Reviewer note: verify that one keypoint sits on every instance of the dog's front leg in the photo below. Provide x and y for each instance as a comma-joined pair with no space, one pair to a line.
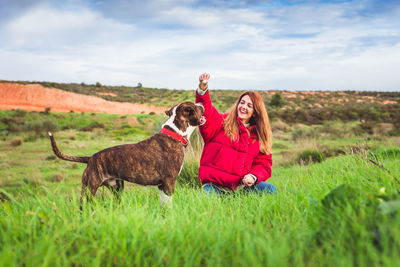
167,189
165,200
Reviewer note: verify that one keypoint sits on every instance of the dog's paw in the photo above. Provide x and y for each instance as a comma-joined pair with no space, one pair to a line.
165,200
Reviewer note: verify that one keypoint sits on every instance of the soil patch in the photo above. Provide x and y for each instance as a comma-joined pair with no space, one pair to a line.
34,97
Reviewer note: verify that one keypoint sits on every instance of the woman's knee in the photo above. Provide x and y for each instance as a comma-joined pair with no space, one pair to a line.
266,188
210,189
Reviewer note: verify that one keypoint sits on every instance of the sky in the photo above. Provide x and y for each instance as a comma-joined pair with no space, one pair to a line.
243,44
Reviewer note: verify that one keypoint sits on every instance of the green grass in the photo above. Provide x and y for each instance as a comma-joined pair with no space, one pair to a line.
43,226
344,211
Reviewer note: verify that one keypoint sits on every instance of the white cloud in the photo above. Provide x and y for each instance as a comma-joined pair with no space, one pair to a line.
295,47
48,28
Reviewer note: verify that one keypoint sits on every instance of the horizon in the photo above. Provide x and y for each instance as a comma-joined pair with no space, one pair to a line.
183,89
327,45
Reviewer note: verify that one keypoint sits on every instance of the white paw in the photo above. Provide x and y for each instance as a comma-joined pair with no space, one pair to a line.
165,200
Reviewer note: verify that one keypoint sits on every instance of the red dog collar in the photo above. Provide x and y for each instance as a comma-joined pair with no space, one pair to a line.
176,136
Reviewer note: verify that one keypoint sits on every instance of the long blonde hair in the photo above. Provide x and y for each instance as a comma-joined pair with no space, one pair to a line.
259,119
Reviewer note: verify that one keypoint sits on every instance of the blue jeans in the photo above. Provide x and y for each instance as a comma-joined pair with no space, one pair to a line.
260,188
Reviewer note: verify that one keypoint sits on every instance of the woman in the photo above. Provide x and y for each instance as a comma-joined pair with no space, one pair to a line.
237,145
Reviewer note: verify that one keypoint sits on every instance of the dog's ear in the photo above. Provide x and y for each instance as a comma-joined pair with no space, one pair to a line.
169,111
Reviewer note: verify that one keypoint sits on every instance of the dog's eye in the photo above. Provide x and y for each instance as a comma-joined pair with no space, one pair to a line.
188,110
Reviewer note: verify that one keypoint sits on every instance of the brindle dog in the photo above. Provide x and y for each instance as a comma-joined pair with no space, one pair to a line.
154,161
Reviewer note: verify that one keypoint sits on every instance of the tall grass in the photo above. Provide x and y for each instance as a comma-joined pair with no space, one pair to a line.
358,227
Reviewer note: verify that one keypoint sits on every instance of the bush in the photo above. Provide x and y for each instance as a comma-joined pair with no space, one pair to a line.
51,157
310,156
364,128
49,126
277,100
40,127
57,178
333,152
14,127
298,134
303,133
383,129
279,125
93,125
17,141
20,113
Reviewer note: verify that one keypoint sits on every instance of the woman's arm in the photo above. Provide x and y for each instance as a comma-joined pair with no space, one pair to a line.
214,120
261,167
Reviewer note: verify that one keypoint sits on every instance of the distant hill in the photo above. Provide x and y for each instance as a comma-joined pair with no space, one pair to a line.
292,106
35,97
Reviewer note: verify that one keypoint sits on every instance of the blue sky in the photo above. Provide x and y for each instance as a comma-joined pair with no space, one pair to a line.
261,45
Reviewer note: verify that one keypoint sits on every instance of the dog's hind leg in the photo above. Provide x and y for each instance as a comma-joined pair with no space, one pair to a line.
90,180
85,180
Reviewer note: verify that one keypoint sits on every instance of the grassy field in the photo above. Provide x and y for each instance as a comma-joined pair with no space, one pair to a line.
342,208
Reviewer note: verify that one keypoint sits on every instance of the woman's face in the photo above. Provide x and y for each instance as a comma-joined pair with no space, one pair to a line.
245,109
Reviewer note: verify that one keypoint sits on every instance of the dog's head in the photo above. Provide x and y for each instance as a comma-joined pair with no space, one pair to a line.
185,115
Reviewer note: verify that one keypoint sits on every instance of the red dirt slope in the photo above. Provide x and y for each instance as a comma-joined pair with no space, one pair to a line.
34,97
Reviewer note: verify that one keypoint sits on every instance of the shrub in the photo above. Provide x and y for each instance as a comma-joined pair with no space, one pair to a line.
333,152
40,127
57,178
364,128
277,100
310,156
382,129
20,113
14,127
279,125
48,125
302,133
17,141
30,138
93,125
51,157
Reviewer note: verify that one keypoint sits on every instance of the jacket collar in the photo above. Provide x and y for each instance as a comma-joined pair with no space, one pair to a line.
176,136
250,127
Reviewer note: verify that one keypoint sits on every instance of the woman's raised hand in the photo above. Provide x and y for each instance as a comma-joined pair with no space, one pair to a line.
204,81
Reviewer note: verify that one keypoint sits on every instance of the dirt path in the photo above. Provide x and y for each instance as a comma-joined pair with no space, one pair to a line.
34,97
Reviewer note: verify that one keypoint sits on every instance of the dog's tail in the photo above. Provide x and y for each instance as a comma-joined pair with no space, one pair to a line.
63,156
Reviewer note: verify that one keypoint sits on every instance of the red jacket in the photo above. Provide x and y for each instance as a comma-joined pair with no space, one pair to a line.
224,162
